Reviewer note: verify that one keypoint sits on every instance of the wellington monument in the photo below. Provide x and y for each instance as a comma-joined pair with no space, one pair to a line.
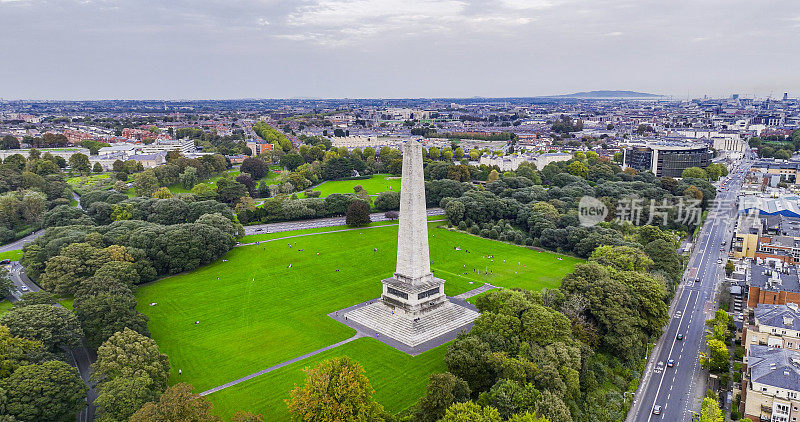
413,309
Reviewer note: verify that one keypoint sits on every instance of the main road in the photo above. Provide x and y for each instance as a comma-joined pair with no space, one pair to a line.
673,379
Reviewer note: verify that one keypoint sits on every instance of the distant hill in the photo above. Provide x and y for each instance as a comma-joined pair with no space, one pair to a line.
609,94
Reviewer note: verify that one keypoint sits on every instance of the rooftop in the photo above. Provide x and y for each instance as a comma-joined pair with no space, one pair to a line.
774,367
774,278
784,316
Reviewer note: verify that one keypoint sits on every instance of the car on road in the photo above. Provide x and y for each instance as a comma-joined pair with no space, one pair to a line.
5,261
670,363
719,261
679,336
657,409
697,280
24,288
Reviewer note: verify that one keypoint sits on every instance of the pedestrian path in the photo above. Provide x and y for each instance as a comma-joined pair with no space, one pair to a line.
474,292
280,365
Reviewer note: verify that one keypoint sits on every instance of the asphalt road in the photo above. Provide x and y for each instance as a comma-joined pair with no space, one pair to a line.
19,244
80,355
679,389
316,223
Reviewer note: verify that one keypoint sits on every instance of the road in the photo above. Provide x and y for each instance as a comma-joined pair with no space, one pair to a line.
679,389
316,223
80,355
19,244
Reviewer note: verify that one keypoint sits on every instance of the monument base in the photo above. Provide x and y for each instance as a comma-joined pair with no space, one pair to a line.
405,332
415,299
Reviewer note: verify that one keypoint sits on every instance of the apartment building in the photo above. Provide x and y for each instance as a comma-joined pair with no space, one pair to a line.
772,387
184,146
773,326
772,281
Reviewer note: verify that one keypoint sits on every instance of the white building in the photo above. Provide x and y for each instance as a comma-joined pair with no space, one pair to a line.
184,146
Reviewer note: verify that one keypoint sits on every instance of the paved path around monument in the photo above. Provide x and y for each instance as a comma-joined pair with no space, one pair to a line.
330,231
362,332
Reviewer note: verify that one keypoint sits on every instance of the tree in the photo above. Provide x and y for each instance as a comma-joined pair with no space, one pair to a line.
9,142
229,190
51,391
337,390
129,354
694,172
17,351
54,326
145,183
471,412
357,214
104,314
119,398
97,168
443,390
710,411
387,201
292,161
79,162
256,167
577,168
162,193
189,177
178,403
623,258
6,285
468,359
493,175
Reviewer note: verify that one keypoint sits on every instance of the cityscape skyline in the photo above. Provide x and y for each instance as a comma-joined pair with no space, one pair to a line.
85,50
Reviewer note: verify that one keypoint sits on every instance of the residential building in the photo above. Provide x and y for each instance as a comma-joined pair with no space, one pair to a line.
772,387
773,326
772,281
184,146
258,146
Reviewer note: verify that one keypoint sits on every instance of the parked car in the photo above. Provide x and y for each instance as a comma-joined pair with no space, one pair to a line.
5,262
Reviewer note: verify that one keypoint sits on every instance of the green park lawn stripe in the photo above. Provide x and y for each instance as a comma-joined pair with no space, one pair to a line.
255,311
5,306
14,255
376,184
88,180
267,236
398,379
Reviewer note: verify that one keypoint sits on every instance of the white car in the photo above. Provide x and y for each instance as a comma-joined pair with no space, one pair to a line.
24,288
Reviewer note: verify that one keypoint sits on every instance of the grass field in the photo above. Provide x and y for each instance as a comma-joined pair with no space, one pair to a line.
398,379
88,180
267,236
374,185
256,311
14,255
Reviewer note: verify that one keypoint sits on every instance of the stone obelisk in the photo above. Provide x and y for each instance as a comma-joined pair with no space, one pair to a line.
413,289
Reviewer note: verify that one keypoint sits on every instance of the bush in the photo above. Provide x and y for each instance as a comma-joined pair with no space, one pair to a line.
357,214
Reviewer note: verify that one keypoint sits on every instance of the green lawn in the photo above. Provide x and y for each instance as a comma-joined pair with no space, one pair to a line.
398,379
212,181
374,185
5,306
88,180
255,311
267,236
14,255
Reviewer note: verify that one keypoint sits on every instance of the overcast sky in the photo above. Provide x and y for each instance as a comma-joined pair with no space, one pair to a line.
198,49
